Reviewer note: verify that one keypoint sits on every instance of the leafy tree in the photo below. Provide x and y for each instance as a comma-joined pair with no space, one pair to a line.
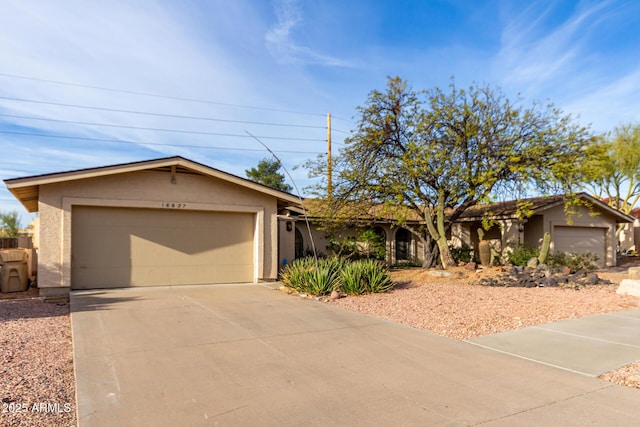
613,168
10,224
267,173
431,155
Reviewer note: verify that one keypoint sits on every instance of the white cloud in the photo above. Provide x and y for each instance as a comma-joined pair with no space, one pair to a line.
282,46
609,105
533,55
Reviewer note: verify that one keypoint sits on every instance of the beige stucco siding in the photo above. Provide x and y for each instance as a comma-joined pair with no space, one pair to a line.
153,190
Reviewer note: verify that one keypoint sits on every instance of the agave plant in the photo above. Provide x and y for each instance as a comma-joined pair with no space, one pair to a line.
365,276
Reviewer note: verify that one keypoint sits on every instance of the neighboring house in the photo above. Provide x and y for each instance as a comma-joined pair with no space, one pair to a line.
591,228
168,221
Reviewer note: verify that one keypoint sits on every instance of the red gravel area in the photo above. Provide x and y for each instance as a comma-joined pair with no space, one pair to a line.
454,308
37,385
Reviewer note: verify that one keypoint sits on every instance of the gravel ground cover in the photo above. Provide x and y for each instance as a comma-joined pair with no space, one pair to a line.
37,385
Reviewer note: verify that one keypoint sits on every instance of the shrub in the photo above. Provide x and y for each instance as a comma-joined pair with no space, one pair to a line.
304,275
575,262
365,276
463,254
406,264
522,254
351,277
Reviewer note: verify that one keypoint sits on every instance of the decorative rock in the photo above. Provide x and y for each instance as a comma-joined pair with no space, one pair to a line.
592,279
471,266
565,271
629,287
437,273
532,263
634,273
335,295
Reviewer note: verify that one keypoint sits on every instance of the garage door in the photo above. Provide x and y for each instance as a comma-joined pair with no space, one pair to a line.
122,247
580,240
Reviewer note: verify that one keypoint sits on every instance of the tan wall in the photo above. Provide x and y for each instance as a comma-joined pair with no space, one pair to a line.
534,231
147,189
627,237
287,239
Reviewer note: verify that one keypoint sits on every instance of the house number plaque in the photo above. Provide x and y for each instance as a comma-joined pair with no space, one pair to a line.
174,205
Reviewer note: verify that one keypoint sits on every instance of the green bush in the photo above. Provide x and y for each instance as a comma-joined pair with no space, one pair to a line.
304,275
365,276
522,254
406,264
329,274
575,262
461,254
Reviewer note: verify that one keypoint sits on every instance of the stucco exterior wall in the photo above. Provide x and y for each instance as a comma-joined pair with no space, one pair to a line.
147,189
287,239
627,237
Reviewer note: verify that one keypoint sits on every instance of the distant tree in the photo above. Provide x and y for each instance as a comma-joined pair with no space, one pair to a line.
436,153
612,171
267,173
9,224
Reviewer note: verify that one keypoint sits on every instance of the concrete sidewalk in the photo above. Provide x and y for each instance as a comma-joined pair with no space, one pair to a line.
590,345
250,356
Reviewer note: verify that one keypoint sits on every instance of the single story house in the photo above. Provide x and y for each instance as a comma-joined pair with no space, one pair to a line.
173,221
168,221
590,228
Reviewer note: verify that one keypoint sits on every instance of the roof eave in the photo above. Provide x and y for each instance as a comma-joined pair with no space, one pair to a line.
26,188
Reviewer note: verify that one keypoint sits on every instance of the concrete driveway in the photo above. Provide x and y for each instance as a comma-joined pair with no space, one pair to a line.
247,355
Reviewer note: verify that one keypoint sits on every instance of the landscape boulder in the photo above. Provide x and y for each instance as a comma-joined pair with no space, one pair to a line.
629,287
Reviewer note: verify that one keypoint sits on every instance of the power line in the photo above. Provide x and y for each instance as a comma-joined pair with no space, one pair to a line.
153,95
156,129
149,143
341,131
147,113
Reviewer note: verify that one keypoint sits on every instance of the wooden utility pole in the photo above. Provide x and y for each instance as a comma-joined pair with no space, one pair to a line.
329,168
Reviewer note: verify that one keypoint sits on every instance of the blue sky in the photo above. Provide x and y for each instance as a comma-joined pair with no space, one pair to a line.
289,63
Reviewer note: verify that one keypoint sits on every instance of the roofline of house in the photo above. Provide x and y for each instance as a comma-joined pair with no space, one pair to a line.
33,182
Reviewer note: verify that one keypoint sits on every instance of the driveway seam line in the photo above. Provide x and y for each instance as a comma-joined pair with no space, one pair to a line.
532,360
585,336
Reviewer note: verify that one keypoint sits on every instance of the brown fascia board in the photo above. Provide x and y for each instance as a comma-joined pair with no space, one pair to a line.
37,180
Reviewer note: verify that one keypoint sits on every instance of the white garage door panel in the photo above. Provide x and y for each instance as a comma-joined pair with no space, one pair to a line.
121,247
580,240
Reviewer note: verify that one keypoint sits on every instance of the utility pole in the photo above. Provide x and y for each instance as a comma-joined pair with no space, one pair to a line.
329,167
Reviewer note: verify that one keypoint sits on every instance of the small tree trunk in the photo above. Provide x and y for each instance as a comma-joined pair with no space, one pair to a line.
445,254
429,251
